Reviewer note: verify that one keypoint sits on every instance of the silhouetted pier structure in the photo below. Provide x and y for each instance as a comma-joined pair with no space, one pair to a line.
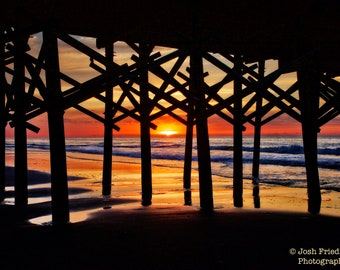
234,37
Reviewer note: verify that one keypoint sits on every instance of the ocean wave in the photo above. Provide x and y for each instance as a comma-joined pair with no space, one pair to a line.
289,149
286,153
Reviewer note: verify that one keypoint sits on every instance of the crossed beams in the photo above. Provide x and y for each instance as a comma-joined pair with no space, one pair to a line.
257,100
278,101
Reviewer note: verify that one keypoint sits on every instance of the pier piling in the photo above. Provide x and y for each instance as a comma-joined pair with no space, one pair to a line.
3,122
145,140
188,157
309,82
107,157
55,112
257,142
208,36
20,133
238,137
203,146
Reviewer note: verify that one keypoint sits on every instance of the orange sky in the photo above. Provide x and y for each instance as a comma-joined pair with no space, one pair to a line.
76,65
79,125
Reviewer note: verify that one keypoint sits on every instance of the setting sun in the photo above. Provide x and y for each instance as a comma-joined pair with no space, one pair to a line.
168,132
166,126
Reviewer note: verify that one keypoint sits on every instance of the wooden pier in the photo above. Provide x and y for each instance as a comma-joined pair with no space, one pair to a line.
235,37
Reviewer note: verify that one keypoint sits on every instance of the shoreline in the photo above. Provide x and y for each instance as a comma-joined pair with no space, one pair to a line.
116,232
85,172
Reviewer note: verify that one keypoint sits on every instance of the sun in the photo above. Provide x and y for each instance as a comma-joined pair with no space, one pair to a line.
167,127
168,132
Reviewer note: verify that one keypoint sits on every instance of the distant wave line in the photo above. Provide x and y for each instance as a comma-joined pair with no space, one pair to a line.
97,148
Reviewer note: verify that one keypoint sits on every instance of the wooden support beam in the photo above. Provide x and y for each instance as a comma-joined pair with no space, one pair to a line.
36,62
75,95
182,104
81,92
36,81
34,108
152,57
127,93
215,96
331,83
238,137
94,116
117,106
128,90
107,158
211,93
257,143
188,156
163,74
35,72
167,96
172,73
88,51
252,86
167,110
161,60
328,117
20,136
268,84
55,111
3,116
331,108
248,105
89,113
118,103
326,95
262,86
178,104
270,105
273,116
309,81
145,125
202,134
128,113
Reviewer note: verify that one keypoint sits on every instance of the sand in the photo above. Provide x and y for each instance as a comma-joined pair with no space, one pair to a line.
116,232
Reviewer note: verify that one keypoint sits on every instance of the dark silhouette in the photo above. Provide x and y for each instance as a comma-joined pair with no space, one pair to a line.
299,35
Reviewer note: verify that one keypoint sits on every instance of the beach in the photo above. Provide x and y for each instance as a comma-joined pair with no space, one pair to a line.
243,94
116,232
85,174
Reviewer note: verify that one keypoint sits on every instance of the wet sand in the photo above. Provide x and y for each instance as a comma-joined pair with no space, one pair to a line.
118,233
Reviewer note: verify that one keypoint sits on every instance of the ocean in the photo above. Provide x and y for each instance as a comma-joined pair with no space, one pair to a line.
281,158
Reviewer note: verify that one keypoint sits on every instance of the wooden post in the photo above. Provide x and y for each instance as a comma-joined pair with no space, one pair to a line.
55,111
202,134
238,140
145,126
3,84
20,136
107,159
203,146
188,158
257,143
309,82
